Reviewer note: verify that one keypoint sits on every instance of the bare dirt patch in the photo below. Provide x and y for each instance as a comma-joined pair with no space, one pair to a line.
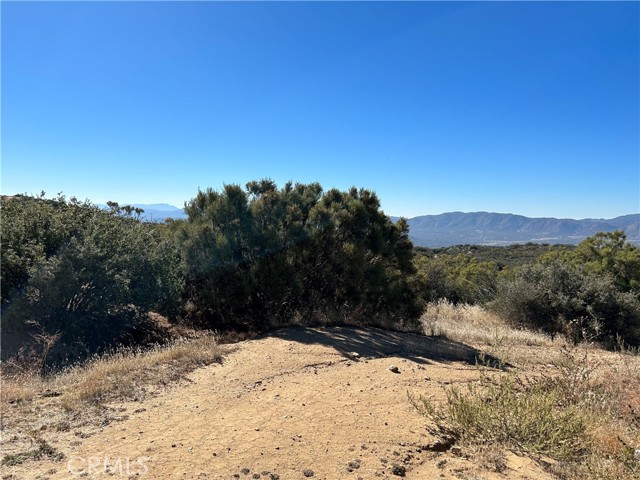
293,403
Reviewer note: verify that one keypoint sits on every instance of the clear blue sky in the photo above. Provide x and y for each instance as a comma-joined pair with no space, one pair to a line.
528,108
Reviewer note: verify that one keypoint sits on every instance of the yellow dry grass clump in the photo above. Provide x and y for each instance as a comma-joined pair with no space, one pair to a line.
79,395
122,375
127,373
477,325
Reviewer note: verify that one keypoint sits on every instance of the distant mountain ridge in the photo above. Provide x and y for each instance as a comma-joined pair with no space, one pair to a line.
479,228
156,212
486,228
159,212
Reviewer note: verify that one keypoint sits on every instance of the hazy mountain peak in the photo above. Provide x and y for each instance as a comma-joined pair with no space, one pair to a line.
164,207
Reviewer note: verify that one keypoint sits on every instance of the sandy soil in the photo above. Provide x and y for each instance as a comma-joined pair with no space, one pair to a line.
290,404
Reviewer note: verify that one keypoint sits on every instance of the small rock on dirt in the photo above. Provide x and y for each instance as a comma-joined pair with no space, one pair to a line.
441,445
394,369
399,470
308,473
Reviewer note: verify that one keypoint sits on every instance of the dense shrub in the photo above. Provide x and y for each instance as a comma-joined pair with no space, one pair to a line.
504,256
262,256
90,275
609,253
459,278
558,296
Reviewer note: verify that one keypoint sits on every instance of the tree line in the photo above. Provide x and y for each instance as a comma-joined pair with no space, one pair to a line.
245,259
253,257
588,291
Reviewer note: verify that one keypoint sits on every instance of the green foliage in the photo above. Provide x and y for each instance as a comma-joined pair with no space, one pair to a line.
91,275
505,257
609,253
261,256
509,413
589,291
459,278
559,296
471,273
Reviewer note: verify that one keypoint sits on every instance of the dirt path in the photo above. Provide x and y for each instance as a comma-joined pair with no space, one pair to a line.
290,403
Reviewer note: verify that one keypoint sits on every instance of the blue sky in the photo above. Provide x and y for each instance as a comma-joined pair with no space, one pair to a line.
528,108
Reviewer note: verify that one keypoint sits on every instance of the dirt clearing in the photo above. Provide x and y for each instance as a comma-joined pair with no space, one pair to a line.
294,403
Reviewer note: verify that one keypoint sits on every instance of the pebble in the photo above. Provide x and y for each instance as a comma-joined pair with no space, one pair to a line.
399,470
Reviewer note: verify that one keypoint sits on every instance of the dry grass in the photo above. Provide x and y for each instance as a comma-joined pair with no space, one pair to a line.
491,457
123,375
127,374
19,389
475,325
36,410
577,406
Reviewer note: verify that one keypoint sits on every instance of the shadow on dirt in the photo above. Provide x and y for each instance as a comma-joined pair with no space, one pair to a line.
378,343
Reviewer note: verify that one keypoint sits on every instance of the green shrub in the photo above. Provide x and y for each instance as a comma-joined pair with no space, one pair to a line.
459,278
89,274
560,297
263,256
609,253
509,413
577,415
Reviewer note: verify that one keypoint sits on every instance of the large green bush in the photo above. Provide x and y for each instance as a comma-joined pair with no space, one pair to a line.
562,297
609,253
90,275
265,255
458,278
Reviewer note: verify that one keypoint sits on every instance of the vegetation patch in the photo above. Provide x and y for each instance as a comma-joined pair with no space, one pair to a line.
83,276
127,373
591,291
509,413
479,326
571,420
261,256
43,450
79,397
509,256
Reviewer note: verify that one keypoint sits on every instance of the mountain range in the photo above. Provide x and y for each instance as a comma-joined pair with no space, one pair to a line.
485,228
479,228
156,212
